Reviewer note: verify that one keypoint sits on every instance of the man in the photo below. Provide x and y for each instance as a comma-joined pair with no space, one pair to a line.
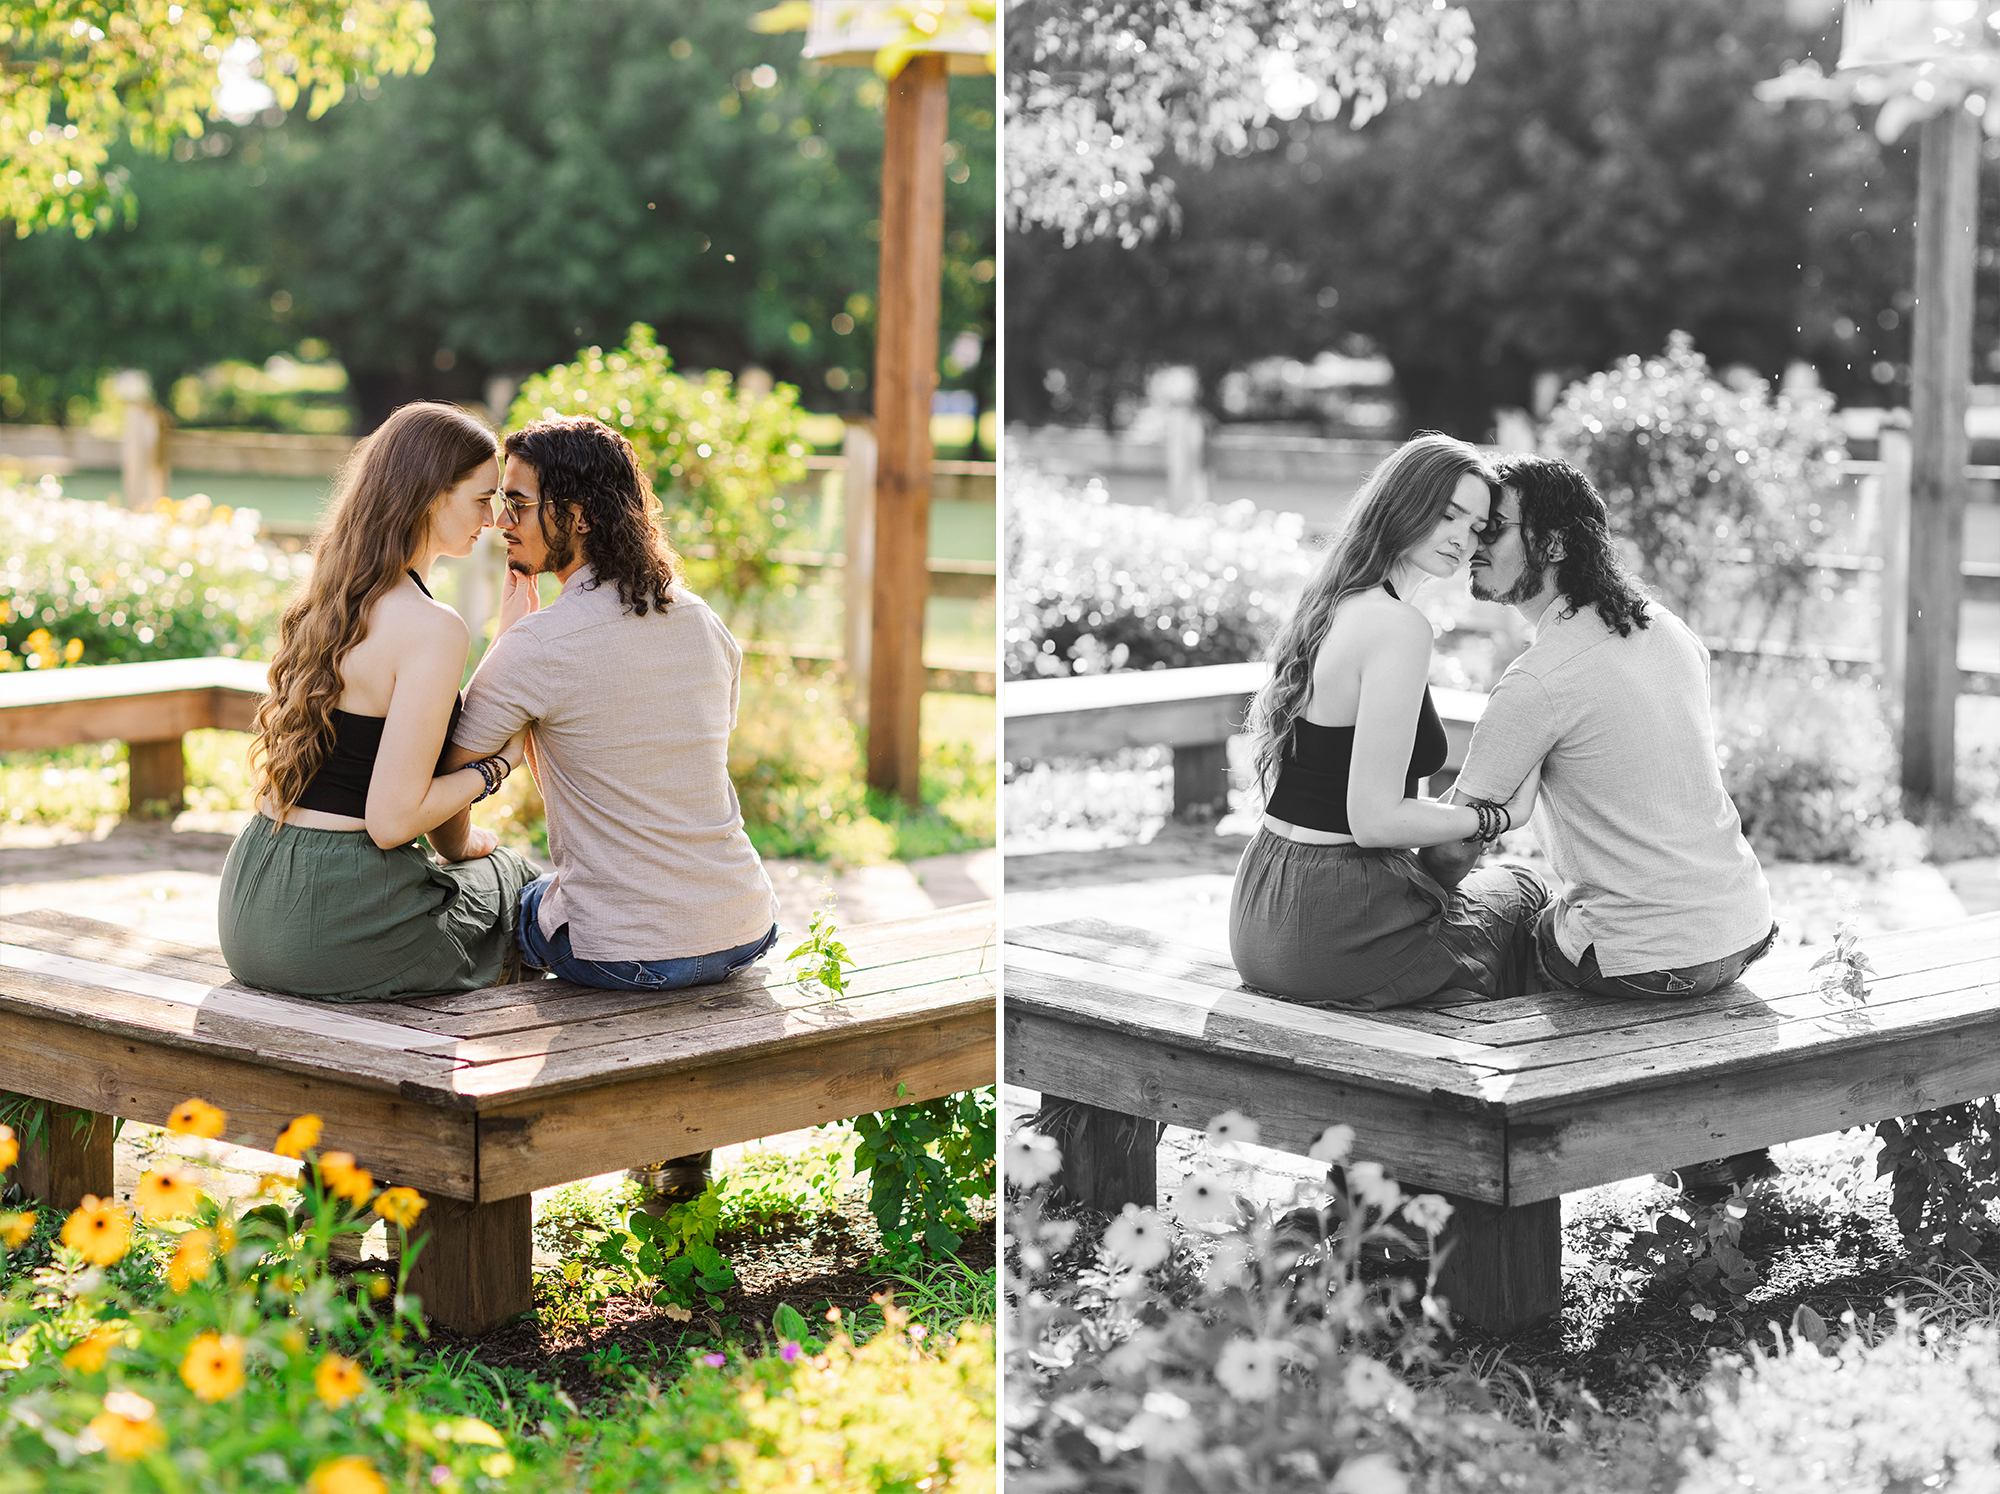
1662,896
627,685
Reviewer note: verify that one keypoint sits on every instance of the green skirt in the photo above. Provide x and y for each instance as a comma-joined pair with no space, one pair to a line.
331,916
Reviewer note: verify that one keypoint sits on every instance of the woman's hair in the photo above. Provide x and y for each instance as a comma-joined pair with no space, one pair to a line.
583,464
381,512
1559,507
1398,505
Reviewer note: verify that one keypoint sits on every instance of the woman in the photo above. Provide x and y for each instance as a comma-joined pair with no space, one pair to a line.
1330,905
328,896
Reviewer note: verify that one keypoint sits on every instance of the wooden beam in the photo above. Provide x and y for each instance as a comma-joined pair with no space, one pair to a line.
71,1160
1940,369
906,353
475,1269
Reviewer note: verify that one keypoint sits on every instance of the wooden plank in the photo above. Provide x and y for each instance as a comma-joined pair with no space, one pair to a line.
65,1165
1575,1144
760,1035
545,1139
1503,1269
475,1269
406,1141
142,719
108,682
111,944
1438,1141
1096,732
1108,1159
905,376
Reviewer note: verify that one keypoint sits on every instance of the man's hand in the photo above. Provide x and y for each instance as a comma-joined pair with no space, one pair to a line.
519,600
1450,862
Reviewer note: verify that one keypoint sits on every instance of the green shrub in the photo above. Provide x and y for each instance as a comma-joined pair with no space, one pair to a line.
87,583
1697,472
1094,585
717,454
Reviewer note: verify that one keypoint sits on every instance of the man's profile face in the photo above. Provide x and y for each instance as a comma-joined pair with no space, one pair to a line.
529,550
1501,568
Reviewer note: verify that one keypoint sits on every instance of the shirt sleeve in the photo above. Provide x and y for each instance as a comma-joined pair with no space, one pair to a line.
1513,734
505,694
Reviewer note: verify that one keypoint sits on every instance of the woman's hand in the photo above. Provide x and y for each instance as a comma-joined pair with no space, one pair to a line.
479,841
1450,862
519,599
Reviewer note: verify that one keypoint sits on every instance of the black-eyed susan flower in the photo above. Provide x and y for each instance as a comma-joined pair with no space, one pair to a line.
196,1117
338,1380
299,1137
193,1261
349,1475
126,1428
400,1206
10,1148
15,1229
89,1352
100,1231
213,1368
344,1179
168,1193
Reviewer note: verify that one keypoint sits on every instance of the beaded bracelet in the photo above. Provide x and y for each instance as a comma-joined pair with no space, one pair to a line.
493,770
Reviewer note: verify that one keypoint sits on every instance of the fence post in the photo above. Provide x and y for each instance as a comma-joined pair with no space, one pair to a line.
1187,457
857,577
1892,538
142,453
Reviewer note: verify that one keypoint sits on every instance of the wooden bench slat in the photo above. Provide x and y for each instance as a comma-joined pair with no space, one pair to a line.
133,953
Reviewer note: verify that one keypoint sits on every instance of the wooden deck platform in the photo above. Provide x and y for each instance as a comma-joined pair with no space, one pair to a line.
483,1097
1504,1105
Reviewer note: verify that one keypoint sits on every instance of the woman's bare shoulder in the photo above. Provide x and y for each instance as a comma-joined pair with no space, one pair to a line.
409,617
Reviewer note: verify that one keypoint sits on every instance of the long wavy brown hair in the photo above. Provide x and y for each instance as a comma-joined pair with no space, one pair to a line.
381,511
1397,506
583,465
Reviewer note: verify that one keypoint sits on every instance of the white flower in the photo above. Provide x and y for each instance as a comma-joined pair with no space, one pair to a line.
1136,1239
1427,1212
1165,1403
1369,1384
1230,1264
1248,1369
1032,1158
1375,1188
1205,1198
1233,1125
1131,1359
1333,1146
1163,1428
1058,1233
1371,1473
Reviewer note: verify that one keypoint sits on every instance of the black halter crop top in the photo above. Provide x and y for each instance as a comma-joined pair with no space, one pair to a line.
341,784
1311,791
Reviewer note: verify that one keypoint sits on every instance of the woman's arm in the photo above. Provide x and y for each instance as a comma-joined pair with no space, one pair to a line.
1395,648
404,800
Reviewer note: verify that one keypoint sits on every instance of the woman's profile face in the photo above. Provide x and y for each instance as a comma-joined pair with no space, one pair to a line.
1453,536
465,510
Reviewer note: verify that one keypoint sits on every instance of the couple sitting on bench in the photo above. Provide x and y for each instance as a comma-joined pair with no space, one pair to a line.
620,695
1604,722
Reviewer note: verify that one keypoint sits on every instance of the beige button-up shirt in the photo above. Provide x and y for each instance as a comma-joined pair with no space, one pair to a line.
630,721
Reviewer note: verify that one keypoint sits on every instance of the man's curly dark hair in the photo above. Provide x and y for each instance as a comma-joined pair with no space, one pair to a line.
1561,511
584,465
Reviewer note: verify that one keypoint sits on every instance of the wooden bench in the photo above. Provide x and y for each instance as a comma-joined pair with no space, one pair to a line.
1194,711
1502,1106
148,706
477,1099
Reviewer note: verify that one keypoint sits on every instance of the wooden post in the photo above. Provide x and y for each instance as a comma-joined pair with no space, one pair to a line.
1201,781
155,779
1504,1269
66,1165
477,1268
1892,501
1187,457
1109,1159
906,355
142,463
857,582
1940,368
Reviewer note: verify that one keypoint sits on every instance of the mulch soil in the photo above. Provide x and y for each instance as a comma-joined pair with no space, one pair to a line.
812,1264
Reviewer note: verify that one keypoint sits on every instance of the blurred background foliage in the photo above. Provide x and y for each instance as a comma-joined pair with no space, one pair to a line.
559,172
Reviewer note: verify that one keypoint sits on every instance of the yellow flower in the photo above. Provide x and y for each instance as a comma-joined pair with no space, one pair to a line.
379,1287
197,1118
213,1368
88,1353
276,1182
300,1135
225,1235
349,1475
193,1261
344,1179
10,1149
400,1206
99,1230
16,1228
126,1426
168,1193
338,1380
470,1429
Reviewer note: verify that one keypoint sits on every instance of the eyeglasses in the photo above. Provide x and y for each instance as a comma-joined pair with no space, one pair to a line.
512,507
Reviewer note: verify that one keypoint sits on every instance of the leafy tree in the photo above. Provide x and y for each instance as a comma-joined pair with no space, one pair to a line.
1605,176
81,75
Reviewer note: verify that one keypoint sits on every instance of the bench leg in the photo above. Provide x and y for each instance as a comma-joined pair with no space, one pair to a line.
1108,1159
477,1269
65,1166
1201,781
158,776
1505,1267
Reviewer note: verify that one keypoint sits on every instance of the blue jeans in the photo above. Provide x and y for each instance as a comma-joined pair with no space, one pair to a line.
553,955
1564,974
